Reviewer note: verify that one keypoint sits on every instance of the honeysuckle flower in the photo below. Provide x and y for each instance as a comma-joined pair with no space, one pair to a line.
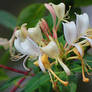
73,32
53,52
59,10
28,48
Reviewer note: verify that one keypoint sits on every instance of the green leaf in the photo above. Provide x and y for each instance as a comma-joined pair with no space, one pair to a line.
36,81
47,87
78,3
3,76
31,14
9,83
7,19
4,59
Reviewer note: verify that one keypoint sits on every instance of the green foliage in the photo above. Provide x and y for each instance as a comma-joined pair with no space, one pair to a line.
31,14
36,81
7,19
4,60
9,83
5,57
78,3
3,75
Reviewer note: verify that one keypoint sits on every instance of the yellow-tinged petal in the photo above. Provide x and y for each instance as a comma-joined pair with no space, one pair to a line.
78,49
82,23
59,10
51,49
35,33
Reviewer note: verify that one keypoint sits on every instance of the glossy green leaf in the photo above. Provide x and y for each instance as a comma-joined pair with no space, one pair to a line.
7,19
31,14
36,81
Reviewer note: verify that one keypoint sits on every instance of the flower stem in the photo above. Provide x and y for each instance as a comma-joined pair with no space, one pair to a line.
14,70
18,84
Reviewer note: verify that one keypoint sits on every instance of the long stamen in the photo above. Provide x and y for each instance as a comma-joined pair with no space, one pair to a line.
74,57
67,70
51,78
83,74
65,83
24,63
86,44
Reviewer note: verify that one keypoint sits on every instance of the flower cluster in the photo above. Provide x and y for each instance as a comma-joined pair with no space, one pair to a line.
30,43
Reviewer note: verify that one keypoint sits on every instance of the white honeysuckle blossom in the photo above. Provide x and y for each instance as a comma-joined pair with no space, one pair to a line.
53,52
28,48
59,10
35,33
74,31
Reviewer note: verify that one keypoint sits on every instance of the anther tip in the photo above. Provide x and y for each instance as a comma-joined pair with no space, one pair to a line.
86,80
66,83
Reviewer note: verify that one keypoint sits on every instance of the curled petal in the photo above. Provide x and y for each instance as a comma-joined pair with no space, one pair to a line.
79,48
17,44
82,23
66,69
35,33
30,47
89,40
51,10
59,10
41,64
51,49
24,64
70,32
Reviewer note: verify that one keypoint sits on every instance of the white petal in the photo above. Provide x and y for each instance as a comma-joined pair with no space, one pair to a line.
41,64
82,23
66,69
59,9
51,49
70,32
30,47
89,40
35,33
17,44
79,48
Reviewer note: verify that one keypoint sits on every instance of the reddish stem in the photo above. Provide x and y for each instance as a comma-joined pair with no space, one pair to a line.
18,84
65,45
14,70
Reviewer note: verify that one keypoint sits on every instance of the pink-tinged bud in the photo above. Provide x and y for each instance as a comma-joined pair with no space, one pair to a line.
46,26
51,10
